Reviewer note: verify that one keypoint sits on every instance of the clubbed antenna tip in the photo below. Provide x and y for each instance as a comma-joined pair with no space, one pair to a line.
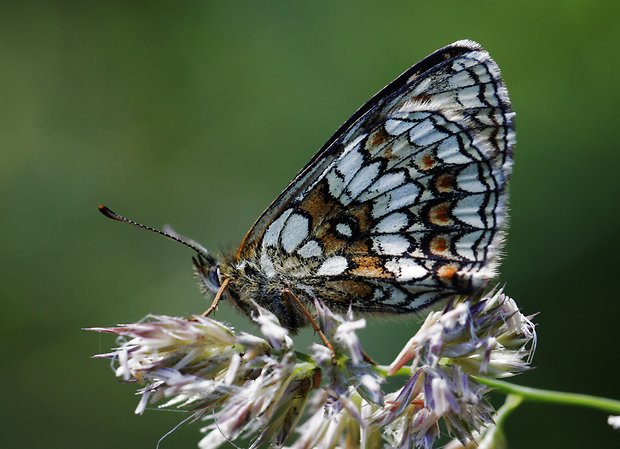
105,210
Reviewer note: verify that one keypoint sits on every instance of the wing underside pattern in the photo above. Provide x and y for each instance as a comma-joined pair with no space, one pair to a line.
407,204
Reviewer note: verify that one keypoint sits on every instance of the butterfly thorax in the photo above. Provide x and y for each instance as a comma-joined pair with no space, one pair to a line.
249,285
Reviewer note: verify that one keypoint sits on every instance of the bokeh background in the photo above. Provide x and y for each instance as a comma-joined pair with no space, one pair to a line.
198,113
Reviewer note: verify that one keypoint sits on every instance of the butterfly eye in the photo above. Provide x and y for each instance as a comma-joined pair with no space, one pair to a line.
214,276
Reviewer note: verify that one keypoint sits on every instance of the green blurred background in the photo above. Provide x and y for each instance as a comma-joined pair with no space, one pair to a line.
198,113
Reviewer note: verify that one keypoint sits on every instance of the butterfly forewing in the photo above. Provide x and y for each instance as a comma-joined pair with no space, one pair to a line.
406,203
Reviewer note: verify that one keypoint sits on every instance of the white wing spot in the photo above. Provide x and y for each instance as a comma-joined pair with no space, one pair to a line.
350,163
333,266
398,198
336,183
310,249
392,223
294,232
344,229
390,244
405,269
274,230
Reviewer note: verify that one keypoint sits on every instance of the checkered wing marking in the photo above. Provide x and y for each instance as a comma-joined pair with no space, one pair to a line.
406,204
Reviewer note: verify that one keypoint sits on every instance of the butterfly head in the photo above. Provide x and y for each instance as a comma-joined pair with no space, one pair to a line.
208,272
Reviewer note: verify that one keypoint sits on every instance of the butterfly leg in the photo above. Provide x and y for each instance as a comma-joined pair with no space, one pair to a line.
217,298
290,296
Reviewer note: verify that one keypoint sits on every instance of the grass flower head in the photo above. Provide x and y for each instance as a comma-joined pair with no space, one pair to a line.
258,388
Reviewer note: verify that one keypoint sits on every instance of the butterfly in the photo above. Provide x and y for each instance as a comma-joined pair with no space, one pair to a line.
403,207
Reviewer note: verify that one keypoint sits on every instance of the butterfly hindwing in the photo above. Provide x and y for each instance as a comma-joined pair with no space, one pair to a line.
406,203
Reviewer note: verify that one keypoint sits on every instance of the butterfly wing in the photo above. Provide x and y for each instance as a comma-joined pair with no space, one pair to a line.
406,203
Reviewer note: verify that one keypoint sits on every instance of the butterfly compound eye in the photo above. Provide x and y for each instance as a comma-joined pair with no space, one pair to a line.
214,277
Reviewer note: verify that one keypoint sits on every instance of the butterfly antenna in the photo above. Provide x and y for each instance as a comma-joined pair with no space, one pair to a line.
171,235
